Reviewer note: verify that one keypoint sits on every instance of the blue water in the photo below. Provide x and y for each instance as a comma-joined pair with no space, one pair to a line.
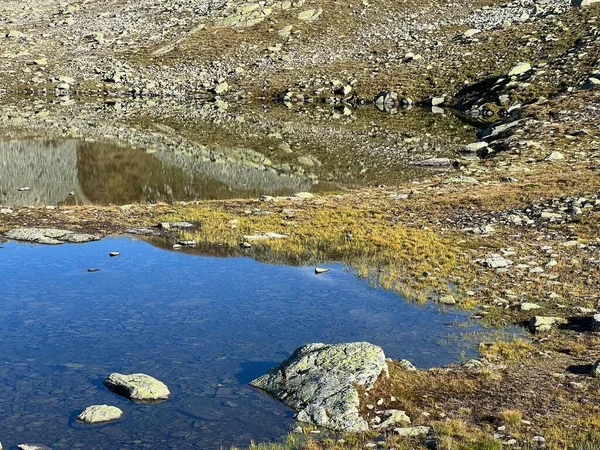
205,326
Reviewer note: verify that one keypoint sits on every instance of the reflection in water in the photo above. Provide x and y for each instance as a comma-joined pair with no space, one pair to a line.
203,325
79,172
190,150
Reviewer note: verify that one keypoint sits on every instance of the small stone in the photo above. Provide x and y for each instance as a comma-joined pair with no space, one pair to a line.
447,300
555,156
528,306
405,364
472,32
519,69
541,323
437,101
474,147
393,417
100,413
412,431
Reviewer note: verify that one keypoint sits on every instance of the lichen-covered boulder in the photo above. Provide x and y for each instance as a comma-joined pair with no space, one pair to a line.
49,236
319,381
100,414
138,387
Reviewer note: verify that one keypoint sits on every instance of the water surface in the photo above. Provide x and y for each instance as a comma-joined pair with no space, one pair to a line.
205,326
98,151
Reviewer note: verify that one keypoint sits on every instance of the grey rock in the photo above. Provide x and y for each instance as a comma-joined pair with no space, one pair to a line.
49,236
393,417
447,300
555,156
137,386
495,261
474,147
406,365
437,101
472,364
519,69
526,306
541,323
100,413
319,381
412,431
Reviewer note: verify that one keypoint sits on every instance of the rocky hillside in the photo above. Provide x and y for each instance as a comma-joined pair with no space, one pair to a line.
462,51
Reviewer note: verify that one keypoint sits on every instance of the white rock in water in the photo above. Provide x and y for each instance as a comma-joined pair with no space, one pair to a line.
519,69
319,381
137,386
100,413
33,447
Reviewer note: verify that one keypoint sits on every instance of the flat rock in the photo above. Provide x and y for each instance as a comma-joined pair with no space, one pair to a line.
526,306
32,447
319,381
393,417
100,413
49,236
519,69
137,386
541,323
412,431
435,162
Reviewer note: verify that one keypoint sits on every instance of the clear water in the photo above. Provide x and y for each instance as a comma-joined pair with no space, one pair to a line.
205,326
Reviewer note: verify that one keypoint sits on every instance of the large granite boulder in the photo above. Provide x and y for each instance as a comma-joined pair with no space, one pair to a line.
319,381
138,387
49,236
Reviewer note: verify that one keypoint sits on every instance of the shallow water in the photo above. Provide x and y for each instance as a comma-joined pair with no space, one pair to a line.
205,326
127,151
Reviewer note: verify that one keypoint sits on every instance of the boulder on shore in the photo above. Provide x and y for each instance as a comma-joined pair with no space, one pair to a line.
319,381
138,387
49,236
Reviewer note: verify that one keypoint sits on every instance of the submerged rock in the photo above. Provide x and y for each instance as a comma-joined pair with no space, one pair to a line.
32,447
137,386
100,413
319,381
49,236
